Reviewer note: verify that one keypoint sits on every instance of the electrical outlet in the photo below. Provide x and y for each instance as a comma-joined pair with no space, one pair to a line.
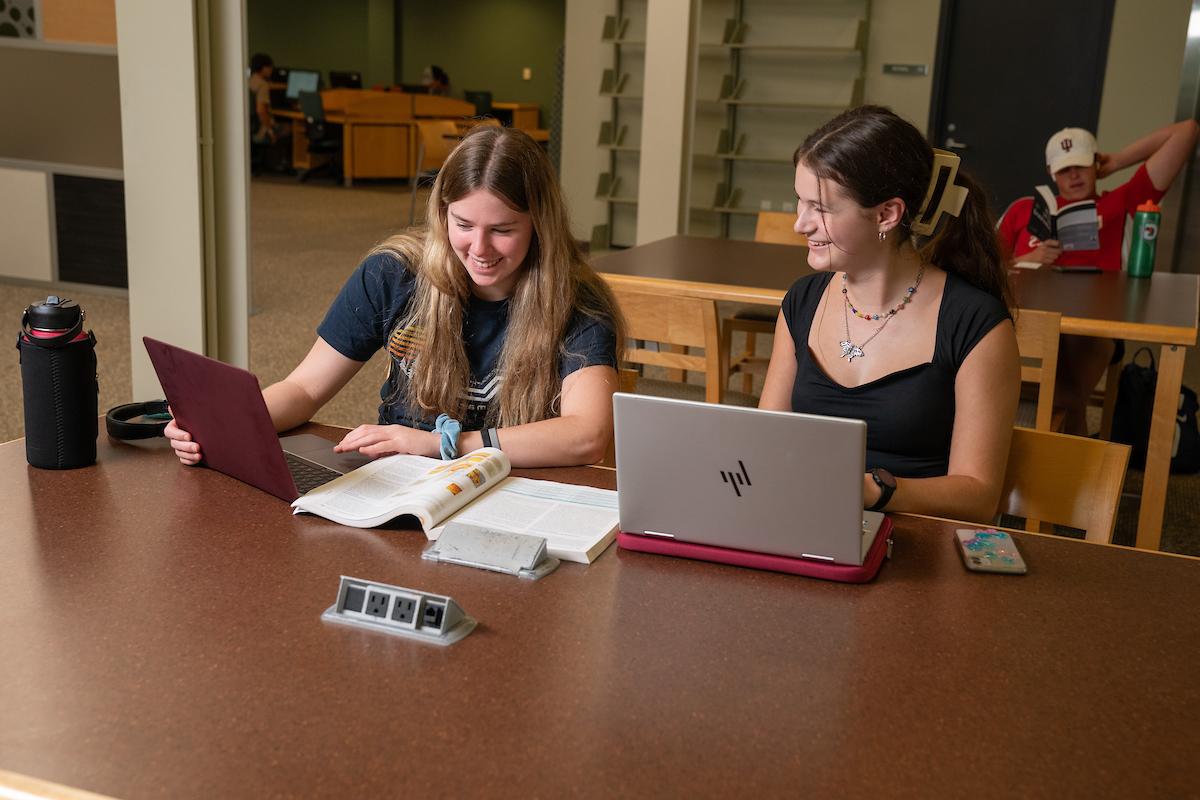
414,614
377,603
405,609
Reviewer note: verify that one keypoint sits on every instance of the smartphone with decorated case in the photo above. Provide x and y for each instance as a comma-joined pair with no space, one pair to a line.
989,551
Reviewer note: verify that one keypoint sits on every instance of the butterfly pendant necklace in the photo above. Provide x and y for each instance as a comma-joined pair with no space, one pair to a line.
850,350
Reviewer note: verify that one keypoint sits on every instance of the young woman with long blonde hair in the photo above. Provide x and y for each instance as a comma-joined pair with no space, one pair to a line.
498,331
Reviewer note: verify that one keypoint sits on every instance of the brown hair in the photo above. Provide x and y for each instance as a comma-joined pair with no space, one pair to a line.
876,156
554,282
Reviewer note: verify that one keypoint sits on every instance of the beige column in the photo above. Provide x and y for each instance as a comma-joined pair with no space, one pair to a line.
584,60
183,121
671,29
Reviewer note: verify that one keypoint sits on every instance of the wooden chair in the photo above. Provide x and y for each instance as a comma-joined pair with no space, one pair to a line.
679,321
773,227
435,139
1053,478
626,382
1037,343
778,227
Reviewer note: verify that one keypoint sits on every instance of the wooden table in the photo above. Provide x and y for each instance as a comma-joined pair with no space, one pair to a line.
1163,310
372,147
161,638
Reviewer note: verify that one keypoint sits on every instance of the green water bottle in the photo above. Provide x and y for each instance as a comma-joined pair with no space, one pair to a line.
1145,230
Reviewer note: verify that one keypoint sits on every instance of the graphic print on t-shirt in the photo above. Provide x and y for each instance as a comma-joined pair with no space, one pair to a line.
404,345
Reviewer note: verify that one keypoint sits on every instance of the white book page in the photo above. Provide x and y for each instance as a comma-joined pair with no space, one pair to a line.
426,487
572,519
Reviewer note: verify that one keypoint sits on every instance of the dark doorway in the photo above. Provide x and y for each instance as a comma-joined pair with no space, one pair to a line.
1010,74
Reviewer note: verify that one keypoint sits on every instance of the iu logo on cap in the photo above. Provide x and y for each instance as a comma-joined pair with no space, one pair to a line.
1066,145
736,479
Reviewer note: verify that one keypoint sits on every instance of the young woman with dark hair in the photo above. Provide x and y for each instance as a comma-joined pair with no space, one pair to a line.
494,324
906,324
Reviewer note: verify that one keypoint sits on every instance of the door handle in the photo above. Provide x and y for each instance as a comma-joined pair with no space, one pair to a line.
955,145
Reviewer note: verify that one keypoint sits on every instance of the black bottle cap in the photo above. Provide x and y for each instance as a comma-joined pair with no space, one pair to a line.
54,314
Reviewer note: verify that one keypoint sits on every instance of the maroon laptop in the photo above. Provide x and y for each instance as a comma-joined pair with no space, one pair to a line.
222,407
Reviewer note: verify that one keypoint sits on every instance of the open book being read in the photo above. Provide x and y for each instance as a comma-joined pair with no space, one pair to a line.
577,522
1076,225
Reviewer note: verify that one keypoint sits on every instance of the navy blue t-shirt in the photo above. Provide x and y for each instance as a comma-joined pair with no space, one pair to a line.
910,413
365,316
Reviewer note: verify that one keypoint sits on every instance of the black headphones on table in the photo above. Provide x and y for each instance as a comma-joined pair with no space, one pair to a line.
155,414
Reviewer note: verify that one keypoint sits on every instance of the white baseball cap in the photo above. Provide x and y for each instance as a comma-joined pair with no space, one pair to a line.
1070,147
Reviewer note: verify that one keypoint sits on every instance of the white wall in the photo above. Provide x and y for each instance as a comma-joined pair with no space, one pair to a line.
902,32
25,228
1141,82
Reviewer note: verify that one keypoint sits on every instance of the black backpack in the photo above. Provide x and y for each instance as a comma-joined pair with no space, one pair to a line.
1134,409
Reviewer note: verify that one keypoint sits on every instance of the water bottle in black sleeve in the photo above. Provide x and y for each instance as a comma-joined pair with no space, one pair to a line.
58,381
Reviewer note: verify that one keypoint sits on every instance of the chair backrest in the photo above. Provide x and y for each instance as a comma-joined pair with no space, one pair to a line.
776,227
1067,480
435,139
482,101
311,107
1037,343
678,323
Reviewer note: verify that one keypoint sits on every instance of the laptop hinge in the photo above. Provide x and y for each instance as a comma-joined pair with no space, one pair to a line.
816,557
659,534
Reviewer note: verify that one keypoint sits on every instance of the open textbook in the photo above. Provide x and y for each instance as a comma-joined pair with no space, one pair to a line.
577,522
1076,226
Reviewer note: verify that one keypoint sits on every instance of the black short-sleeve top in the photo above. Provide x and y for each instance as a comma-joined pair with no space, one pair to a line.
910,413
366,316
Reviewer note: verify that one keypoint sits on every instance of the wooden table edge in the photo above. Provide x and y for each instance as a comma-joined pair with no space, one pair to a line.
707,291
16,786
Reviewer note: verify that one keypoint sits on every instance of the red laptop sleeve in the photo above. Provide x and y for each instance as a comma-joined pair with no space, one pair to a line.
846,573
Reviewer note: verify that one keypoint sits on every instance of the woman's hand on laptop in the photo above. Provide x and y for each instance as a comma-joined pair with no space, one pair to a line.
181,442
384,440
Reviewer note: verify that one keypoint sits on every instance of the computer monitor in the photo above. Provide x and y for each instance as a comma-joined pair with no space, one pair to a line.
340,79
302,80
280,74
481,100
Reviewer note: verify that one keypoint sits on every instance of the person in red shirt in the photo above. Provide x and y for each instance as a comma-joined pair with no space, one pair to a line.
1075,163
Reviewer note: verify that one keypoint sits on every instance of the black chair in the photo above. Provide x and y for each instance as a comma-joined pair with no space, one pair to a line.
323,138
482,102
339,79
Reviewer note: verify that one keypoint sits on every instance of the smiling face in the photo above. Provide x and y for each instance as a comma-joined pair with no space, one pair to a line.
491,241
835,225
1076,183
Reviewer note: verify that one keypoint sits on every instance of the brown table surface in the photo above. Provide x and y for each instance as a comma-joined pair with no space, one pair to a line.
1164,309
161,638
719,269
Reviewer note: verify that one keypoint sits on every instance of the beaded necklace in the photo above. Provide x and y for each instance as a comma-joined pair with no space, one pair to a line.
850,350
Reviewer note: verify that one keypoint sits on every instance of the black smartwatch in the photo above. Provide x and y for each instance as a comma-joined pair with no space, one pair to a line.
887,487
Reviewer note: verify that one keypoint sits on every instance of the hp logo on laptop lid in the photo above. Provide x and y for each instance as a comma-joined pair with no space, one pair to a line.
736,479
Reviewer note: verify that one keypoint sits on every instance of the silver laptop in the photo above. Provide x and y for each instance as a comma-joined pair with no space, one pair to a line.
764,481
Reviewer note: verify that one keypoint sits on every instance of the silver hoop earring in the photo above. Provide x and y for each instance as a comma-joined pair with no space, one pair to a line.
882,235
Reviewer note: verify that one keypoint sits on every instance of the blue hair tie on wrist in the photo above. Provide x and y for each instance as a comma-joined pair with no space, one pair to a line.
449,430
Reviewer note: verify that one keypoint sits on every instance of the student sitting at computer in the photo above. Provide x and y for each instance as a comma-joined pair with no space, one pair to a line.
911,334
492,320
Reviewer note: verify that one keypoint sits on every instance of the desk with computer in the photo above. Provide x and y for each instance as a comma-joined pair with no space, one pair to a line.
370,133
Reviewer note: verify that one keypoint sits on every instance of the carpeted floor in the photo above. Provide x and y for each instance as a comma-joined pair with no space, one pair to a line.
305,241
